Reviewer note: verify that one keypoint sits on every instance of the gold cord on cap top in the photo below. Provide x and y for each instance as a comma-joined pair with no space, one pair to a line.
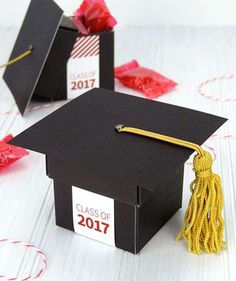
203,223
18,58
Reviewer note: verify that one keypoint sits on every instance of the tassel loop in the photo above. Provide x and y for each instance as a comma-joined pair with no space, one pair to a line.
18,58
202,163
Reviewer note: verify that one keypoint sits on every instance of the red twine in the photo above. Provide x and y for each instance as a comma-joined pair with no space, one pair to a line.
209,81
210,97
30,247
35,108
147,81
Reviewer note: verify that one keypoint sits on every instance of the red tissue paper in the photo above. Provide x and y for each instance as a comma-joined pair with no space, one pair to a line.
10,153
147,81
94,16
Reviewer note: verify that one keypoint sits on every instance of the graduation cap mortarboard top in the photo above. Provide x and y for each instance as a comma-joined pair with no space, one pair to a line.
37,65
137,180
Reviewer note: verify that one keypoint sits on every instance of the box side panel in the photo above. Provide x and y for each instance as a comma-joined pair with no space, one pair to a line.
107,60
82,177
156,211
52,82
63,205
125,227
124,214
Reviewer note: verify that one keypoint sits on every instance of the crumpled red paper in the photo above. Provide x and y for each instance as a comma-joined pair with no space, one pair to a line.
10,153
151,83
93,16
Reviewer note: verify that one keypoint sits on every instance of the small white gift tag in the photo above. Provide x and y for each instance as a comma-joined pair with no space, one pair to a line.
83,66
93,215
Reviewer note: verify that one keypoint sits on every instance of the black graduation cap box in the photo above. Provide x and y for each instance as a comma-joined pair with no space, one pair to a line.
43,73
116,188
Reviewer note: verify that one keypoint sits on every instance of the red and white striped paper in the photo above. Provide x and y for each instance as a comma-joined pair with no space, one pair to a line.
86,46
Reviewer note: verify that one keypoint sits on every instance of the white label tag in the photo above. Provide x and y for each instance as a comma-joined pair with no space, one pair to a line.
83,66
93,215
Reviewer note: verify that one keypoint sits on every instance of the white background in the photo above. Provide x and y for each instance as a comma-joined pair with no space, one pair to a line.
139,12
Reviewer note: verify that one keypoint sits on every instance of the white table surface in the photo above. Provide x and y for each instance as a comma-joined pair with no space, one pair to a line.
187,55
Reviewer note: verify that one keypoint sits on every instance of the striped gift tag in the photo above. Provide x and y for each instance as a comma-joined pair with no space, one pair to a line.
83,66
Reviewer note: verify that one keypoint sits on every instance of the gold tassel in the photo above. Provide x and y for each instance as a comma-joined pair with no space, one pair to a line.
203,223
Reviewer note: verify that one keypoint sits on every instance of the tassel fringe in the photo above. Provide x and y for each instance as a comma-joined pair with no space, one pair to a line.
203,223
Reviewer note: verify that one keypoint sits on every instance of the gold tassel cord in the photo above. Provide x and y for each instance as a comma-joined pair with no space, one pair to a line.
203,226
18,58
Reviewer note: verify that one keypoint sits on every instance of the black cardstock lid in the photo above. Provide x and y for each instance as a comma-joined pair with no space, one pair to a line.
82,135
38,30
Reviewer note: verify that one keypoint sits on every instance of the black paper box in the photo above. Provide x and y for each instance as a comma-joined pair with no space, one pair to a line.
43,74
135,181
135,224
